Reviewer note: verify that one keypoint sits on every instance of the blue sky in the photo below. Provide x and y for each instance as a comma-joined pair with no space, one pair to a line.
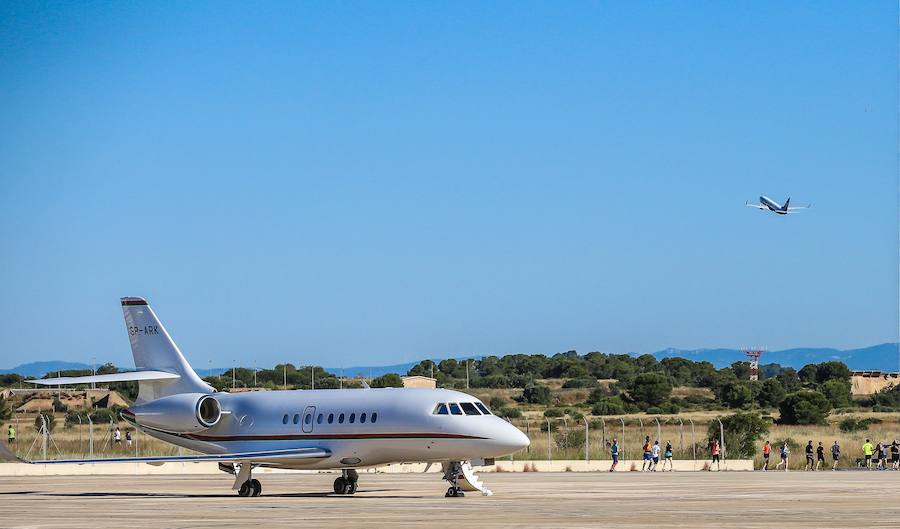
369,183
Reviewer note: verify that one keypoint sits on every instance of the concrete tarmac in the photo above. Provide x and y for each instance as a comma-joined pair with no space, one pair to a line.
851,499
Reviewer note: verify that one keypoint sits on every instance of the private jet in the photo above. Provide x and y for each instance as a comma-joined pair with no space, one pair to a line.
329,429
767,204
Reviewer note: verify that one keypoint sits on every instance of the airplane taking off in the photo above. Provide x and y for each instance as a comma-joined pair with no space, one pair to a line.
767,204
297,429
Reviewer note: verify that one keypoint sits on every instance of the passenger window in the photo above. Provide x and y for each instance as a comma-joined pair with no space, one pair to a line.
296,418
362,417
483,408
454,409
352,418
341,419
374,417
469,408
307,419
284,419
440,409
320,418
330,418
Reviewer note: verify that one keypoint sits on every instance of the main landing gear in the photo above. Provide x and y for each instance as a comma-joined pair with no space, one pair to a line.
244,483
250,488
347,483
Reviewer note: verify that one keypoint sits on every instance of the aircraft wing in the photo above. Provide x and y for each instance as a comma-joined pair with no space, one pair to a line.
264,456
757,206
127,376
795,208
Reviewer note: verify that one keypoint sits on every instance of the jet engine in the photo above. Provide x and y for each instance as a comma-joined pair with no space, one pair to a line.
182,413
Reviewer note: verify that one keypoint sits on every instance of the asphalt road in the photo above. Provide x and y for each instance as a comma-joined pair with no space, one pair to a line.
629,499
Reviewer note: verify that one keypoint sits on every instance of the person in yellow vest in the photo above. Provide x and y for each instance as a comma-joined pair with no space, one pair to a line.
868,450
11,434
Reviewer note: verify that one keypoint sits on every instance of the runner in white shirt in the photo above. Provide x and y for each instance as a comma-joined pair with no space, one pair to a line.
654,451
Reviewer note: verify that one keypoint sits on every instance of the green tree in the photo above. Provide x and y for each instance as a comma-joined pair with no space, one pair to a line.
389,380
832,370
736,394
609,406
742,431
650,389
804,407
771,393
809,375
789,380
838,392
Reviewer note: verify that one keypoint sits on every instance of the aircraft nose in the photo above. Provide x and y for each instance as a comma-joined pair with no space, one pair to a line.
513,439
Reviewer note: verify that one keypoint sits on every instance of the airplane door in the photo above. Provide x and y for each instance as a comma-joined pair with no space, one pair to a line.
309,417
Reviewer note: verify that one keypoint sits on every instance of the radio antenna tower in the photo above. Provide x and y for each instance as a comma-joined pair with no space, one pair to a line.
754,354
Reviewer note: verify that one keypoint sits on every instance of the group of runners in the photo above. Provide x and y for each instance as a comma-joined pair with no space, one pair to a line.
652,454
815,456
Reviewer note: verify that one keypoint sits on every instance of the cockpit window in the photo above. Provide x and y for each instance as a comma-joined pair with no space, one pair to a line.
469,408
454,409
440,409
483,408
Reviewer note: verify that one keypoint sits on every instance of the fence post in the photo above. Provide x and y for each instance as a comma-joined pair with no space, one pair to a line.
527,448
603,438
91,436
622,450
658,430
587,441
80,435
681,436
693,443
565,432
549,443
721,440
641,422
44,434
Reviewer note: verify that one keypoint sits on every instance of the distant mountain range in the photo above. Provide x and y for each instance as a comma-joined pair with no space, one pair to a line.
882,357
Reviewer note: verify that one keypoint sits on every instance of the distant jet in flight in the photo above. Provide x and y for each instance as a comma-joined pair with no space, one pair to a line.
766,203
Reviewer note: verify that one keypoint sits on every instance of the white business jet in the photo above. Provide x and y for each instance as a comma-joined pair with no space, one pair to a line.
319,429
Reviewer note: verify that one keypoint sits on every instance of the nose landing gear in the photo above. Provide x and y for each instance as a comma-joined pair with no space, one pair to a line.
347,483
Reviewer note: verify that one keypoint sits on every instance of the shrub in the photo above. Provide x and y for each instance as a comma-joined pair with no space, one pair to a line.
553,412
580,383
771,393
670,407
390,380
609,406
536,394
571,438
51,421
850,424
742,431
654,410
497,402
804,407
508,411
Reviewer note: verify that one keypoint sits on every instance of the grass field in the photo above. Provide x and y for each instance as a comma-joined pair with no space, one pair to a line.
566,441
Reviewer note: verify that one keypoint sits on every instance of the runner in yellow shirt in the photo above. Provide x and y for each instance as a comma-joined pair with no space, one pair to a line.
868,450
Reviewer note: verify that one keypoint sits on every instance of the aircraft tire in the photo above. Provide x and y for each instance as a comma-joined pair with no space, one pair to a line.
245,490
339,485
256,487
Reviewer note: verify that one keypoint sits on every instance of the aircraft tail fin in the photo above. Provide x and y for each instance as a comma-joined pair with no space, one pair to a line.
787,203
154,350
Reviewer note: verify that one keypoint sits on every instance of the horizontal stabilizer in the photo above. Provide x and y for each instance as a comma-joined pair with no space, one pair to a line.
255,457
102,379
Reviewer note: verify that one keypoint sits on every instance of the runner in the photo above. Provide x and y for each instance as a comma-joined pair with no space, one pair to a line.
820,455
614,452
715,455
785,452
835,454
895,455
810,465
767,449
668,456
654,451
648,455
867,452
